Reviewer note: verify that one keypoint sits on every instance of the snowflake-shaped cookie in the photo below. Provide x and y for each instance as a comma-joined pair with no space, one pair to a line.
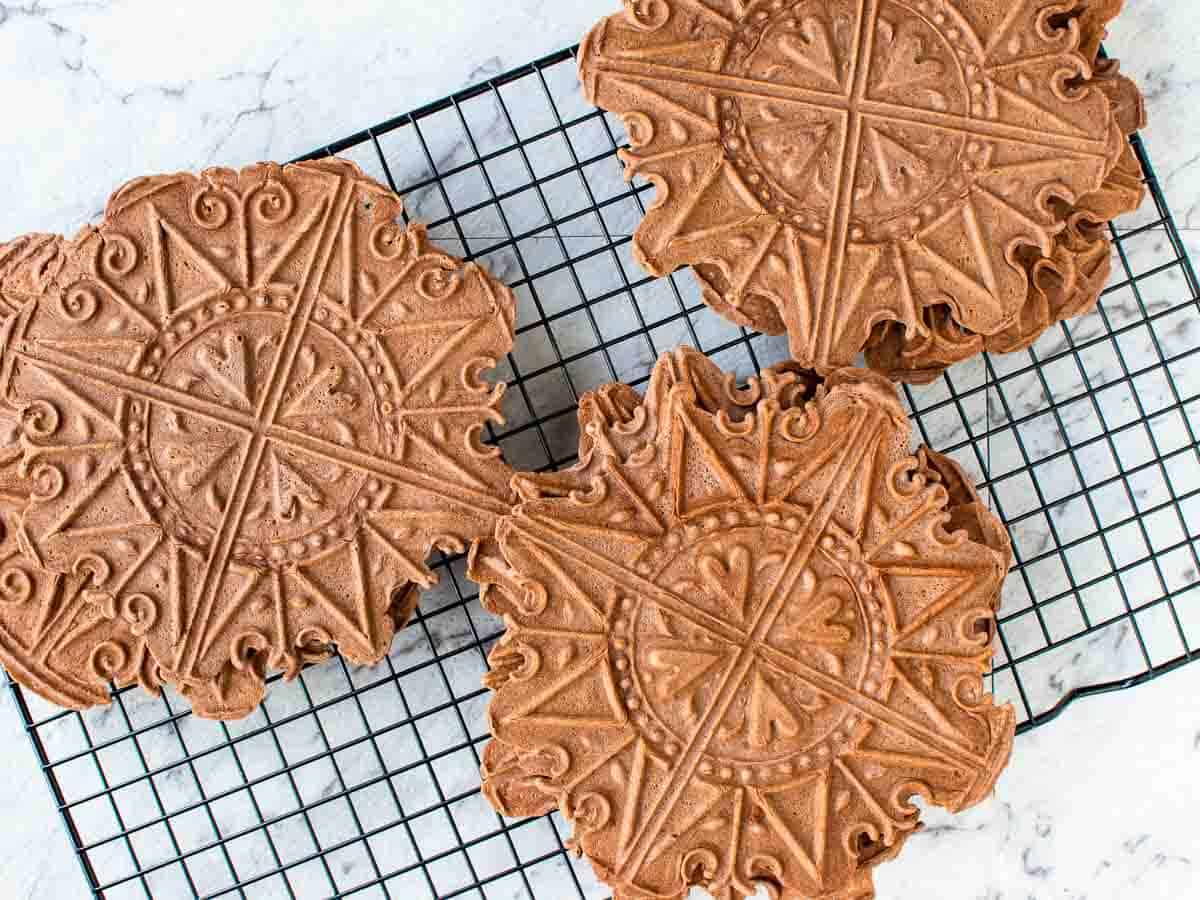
742,634
258,400
831,166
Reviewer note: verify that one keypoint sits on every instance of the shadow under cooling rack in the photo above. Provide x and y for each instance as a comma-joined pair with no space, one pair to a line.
364,782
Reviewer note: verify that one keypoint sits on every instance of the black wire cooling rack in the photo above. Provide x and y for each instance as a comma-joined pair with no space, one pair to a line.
363,782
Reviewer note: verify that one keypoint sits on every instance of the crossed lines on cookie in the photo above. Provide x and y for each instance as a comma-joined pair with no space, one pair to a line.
856,110
260,428
751,641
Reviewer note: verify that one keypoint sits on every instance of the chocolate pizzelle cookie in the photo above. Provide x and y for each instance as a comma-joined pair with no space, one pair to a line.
249,405
743,633
885,174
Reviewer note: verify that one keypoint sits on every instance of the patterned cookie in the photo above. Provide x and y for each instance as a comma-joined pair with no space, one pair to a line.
743,633
835,167
257,399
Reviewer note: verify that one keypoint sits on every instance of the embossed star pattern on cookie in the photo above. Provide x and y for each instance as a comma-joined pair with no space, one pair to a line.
256,400
743,633
832,166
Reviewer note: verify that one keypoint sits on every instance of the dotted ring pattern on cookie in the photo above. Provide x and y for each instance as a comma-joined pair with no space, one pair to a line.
641,708
904,225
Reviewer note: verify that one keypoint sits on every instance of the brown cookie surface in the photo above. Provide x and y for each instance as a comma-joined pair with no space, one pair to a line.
830,167
741,636
1070,281
60,636
258,399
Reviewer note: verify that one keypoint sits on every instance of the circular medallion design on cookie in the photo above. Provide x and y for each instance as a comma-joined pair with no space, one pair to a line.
904,172
225,356
730,564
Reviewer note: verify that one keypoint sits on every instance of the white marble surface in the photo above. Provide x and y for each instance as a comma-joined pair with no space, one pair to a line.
1099,804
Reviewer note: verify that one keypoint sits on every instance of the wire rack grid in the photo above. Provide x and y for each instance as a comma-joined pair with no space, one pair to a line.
363,782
